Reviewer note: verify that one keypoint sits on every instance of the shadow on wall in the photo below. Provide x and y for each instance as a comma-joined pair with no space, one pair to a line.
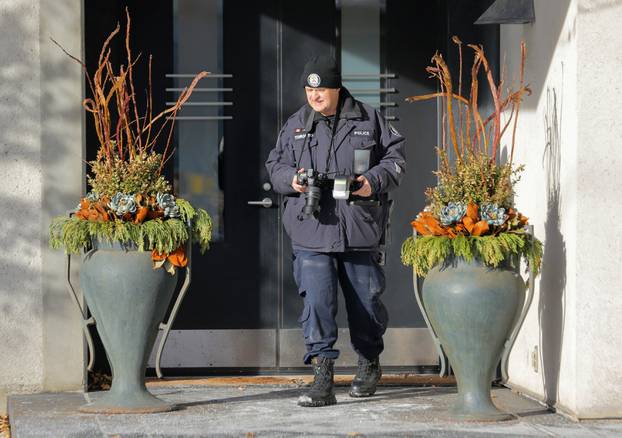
551,308
19,197
542,39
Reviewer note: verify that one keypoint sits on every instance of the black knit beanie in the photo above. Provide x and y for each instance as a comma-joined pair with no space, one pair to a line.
321,72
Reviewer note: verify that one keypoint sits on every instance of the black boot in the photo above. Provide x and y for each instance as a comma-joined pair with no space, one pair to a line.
367,377
320,393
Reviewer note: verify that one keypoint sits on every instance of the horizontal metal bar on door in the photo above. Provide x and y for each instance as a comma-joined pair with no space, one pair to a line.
190,75
382,103
371,90
392,118
369,76
200,89
203,103
202,118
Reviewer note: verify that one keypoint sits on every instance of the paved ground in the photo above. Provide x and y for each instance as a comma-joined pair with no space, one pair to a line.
271,411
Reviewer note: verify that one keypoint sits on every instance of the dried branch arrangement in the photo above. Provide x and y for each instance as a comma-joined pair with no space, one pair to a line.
487,133
130,200
123,134
470,213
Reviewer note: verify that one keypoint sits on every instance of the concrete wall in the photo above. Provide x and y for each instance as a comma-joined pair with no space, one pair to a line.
21,298
569,349
41,155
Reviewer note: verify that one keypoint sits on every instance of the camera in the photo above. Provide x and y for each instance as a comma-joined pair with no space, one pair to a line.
315,182
342,185
345,185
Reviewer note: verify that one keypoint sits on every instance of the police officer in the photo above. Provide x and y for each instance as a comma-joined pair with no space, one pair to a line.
336,242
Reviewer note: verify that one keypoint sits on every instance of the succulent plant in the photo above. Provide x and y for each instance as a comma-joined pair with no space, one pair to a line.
452,212
122,203
493,214
166,201
171,211
92,196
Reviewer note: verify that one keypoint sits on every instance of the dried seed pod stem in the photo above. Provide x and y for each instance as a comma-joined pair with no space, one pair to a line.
523,56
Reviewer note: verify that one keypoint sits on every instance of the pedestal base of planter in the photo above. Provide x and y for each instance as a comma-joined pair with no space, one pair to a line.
473,309
128,403
128,300
477,407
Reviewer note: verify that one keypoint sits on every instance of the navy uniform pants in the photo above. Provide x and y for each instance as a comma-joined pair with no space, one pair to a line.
362,281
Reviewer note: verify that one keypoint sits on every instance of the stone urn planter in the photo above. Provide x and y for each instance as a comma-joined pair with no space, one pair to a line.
134,231
128,299
473,309
469,239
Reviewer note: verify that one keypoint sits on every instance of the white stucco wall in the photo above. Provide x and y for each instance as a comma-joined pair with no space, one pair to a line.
41,156
567,138
599,213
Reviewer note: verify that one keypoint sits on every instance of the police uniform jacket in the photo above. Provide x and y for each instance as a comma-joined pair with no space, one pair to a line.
340,226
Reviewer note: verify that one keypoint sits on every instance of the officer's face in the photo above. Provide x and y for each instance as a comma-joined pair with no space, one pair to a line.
323,100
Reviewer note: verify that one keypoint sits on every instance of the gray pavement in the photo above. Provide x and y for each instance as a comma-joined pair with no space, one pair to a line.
271,411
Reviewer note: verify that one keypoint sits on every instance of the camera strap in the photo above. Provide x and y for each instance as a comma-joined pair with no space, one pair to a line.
308,130
331,148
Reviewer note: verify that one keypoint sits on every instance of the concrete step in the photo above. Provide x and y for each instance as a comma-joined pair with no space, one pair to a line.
241,409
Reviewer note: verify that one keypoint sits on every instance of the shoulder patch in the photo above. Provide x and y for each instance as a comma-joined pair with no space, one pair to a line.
393,130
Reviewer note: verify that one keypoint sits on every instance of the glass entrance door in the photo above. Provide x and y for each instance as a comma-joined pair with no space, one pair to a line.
232,316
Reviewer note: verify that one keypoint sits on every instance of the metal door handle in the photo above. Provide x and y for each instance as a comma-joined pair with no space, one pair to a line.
265,202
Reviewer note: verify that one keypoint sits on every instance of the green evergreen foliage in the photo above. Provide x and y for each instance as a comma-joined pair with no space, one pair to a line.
425,252
201,223
74,234
202,229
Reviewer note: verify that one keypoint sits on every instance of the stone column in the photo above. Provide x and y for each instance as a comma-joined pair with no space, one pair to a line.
41,152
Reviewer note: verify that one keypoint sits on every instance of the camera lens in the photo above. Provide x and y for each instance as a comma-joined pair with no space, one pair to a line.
312,200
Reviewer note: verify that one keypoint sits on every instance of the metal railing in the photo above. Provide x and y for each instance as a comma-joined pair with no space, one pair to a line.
387,105
201,104
386,90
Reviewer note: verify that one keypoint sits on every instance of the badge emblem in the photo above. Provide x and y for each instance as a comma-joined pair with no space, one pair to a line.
314,80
